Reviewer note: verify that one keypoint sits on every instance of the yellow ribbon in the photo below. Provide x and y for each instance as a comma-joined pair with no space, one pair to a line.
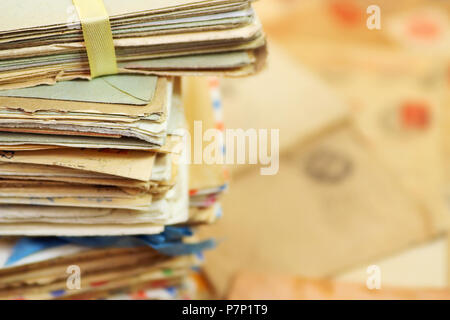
97,37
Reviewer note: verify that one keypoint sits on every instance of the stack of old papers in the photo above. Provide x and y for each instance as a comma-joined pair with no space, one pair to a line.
81,160
160,37
152,267
98,194
75,162
93,175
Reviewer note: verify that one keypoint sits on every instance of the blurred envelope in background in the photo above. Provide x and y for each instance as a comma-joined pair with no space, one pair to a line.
293,100
396,100
332,206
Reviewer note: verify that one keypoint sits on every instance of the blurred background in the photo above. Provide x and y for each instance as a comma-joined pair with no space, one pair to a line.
364,156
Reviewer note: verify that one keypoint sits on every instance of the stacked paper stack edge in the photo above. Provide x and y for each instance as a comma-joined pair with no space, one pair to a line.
98,198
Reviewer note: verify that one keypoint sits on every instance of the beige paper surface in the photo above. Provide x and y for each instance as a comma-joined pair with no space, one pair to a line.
156,105
65,230
198,107
128,164
58,11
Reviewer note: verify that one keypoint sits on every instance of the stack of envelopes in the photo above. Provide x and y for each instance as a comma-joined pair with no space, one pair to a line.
92,158
164,37
95,198
88,186
46,268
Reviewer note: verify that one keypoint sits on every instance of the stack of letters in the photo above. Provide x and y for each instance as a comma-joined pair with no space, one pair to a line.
164,37
98,195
